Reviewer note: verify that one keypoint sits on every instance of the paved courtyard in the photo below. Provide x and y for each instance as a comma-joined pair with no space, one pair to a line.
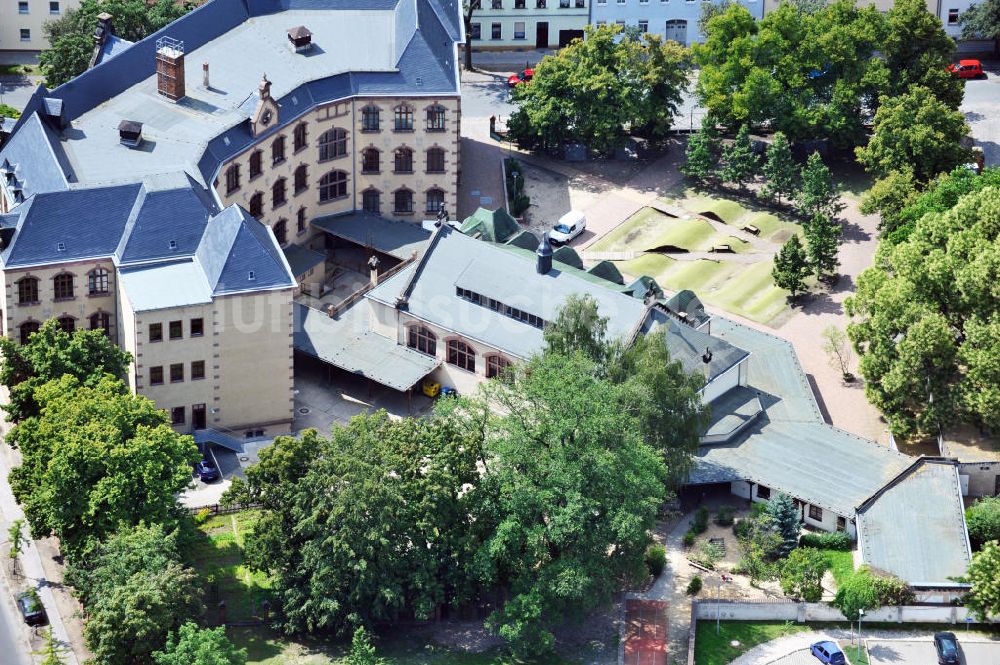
981,108
919,652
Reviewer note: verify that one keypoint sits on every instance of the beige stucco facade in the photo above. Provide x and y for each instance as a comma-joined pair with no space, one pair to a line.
21,22
348,116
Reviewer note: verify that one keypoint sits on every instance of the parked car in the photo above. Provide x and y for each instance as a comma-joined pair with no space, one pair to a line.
828,652
568,227
206,470
524,76
31,608
947,648
967,69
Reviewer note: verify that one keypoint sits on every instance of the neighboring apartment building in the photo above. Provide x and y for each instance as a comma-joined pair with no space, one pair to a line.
671,19
500,24
151,197
21,22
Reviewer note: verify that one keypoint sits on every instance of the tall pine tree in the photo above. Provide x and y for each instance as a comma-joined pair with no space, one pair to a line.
702,154
822,244
786,520
791,266
741,164
780,170
817,195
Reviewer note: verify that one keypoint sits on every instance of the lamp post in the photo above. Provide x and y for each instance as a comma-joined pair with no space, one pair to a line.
861,615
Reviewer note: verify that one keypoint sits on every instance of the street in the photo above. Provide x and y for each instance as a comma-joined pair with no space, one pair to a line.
981,108
13,632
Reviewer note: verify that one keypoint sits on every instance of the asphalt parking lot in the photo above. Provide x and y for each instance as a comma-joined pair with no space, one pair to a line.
981,108
921,652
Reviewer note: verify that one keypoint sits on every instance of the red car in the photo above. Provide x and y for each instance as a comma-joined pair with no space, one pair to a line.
967,69
521,77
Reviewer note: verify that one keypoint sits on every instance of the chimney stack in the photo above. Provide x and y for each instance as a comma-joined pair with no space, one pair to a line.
264,88
170,68
204,75
544,254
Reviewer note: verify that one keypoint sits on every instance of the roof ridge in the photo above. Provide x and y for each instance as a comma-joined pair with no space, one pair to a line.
404,295
902,475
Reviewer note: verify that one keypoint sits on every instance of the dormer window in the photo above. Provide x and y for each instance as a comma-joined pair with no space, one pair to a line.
61,247
252,276
173,245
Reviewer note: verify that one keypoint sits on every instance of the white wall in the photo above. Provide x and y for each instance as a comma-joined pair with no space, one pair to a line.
982,477
742,489
722,384
792,611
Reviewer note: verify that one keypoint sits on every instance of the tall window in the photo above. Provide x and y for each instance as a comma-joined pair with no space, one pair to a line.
281,231
461,355
301,179
62,285
176,372
232,178
496,365
402,201
371,200
496,29
403,162
100,321
435,160
98,281
332,144
435,119
333,186
299,137
28,328
156,375
404,119
256,168
197,327
435,200
278,150
67,323
300,221
27,291
257,205
422,339
176,329
155,332
519,30
197,370
177,415
815,513
370,160
477,31
278,193
370,119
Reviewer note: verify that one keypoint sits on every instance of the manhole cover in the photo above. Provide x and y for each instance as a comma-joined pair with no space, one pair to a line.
303,410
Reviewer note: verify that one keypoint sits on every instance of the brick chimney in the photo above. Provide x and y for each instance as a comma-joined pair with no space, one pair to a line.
170,68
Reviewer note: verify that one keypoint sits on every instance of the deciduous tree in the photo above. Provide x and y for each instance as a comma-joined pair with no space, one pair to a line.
802,574
192,645
984,575
983,520
578,327
981,20
889,197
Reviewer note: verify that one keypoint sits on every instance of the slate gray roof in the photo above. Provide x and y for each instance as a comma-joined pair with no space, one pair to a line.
301,259
36,159
112,46
392,237
688,346
176,284
915,527
506,274
347,343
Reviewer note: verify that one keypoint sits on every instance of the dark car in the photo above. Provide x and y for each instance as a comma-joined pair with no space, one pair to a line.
947,648
207,470
31,608
828,652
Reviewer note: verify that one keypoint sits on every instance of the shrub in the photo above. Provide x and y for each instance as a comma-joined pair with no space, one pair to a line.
656,559
983,520
724,515
758,508
202,516
835,540
742,528
694,586
700,522
708,555
689,538
518,204
893,591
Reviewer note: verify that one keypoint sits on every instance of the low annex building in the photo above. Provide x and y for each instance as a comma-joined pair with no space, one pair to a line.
167,194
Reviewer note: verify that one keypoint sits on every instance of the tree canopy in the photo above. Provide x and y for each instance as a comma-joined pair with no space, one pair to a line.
984,576
51,353
981,20
926,315
983,520
200,646
597,89
97,458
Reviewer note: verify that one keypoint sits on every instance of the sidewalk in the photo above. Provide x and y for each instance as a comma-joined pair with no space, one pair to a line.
32,568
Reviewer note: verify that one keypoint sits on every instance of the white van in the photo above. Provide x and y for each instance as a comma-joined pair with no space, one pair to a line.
568,227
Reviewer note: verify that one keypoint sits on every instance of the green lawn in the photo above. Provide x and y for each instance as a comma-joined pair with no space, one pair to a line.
856,655
841,565
712,649
726,210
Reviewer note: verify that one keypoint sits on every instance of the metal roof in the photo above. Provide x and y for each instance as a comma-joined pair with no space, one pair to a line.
346,342
915,527
301,259
164,286
395,238
688,346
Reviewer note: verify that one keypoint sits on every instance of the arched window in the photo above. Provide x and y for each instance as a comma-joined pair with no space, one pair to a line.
98,281
370,116
299,137
281,231
435,118
28,328
333,186
461,355
496,365
100,321
332,144
301,179
278,192
403,162
27,290
371,200
300,220
67,323
232,178
402,200
257,205
256,157
278,150
403,118
370,160
435,200
62,286
435,160
422,339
